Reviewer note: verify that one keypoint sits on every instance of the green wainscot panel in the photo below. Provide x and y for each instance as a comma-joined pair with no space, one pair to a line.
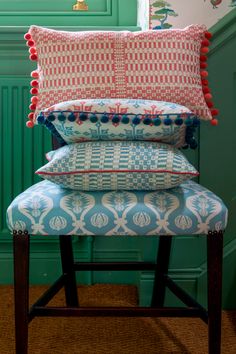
218,144
22,150
61,13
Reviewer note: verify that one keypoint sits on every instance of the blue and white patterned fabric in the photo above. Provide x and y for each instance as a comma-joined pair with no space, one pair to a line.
117,165
47,209
121,119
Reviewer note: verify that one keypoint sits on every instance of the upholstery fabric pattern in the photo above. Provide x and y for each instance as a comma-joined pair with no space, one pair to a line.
119,119
155,65
47,209
114,165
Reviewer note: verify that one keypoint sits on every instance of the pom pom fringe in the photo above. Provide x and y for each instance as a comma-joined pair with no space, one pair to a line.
27,36
30,43
203,65
208,35
54,132
35,74
30,124
188,119
150,119
214,122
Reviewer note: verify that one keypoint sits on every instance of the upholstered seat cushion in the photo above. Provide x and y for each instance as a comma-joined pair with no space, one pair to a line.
47,209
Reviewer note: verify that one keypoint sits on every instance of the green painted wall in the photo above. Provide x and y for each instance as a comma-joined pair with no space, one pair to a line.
22,150
60,13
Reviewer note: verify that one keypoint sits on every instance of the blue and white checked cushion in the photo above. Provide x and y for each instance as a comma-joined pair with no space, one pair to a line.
48,209
119,119
117,165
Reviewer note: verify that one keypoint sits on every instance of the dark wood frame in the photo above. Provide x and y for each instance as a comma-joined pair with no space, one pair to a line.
24,314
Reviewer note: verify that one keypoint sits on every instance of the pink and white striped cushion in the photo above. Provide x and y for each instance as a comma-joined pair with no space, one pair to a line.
159,65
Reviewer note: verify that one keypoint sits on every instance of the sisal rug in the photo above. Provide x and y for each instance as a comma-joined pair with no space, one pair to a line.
110,335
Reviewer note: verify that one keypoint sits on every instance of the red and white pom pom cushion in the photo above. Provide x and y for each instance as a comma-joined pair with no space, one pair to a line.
164,65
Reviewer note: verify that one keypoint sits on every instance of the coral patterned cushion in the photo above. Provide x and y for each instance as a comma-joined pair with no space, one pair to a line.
153,65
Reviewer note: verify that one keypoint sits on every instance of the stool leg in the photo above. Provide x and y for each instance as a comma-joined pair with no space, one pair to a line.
67,260
162,265
214,264
21,289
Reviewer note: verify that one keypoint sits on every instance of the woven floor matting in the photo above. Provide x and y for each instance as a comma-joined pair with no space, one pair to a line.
110,335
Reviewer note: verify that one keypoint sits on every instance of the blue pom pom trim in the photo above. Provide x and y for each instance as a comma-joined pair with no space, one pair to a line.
179,121
54,132
61,117
115,119
93,118
125,119
51,117
157,122
41,119
104,118
167,121
83,116
190,121
196,122
71,117
136,120
147,121
189,138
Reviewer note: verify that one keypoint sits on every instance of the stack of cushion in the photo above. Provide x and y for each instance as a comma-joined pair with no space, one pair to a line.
121,103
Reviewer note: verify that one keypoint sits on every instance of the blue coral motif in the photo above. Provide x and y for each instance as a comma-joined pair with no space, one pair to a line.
99,134
101,103
67,131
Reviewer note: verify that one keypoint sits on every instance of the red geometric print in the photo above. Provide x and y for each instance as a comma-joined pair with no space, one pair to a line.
159,65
